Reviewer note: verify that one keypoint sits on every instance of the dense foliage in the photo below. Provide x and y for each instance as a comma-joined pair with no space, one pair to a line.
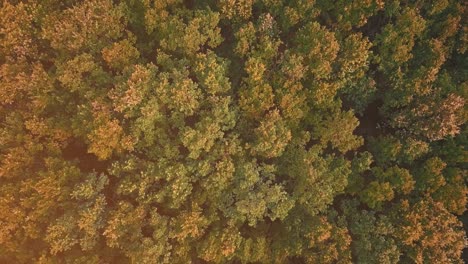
233,131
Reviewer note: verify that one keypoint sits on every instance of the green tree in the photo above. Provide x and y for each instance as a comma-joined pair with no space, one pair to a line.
234,131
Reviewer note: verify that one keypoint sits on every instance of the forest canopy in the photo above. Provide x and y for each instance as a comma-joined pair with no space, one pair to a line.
233,131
